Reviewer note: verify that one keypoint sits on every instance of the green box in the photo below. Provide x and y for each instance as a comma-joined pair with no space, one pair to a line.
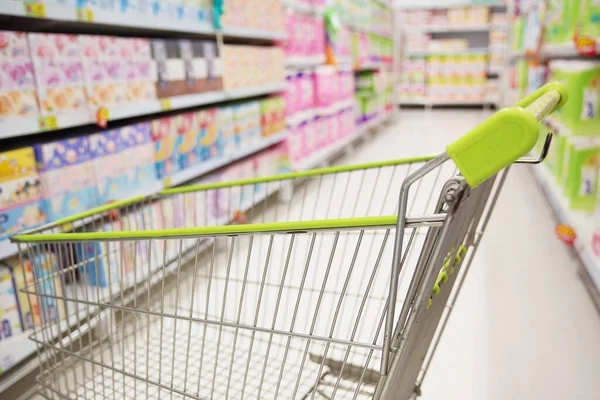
581,114
581,179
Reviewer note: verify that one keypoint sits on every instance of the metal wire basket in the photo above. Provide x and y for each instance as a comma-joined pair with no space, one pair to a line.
329,283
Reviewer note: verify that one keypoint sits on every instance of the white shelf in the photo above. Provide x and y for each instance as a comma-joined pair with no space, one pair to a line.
304,61
563,50
302,8
58,12
579,221
28,126
465,52
372,66
408,102
455,29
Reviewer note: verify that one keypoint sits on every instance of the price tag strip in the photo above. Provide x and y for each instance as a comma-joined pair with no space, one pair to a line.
48,123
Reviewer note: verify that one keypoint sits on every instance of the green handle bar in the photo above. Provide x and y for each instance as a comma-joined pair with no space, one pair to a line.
506,136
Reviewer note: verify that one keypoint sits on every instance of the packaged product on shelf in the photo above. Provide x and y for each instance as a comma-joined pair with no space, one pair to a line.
67,176
588,18
581,161
561,21
48,283
58,66
247,125
264,15
227,134
325,81
201,63
368,107
170,67
18,96
105,69
10,320
305,89
164,137
110,165
187,130
29,310
139,157
273,110
295,143
21,196
209,143
245,66
582,79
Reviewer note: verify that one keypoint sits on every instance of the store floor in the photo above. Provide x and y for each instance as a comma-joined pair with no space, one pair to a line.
524,326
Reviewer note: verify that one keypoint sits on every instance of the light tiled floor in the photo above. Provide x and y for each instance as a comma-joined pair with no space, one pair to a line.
524,326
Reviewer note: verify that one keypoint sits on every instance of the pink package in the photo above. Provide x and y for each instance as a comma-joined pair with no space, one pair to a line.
309,132
290,43
291,95
324,89
333,128
295,144
54,45
60,85
322,126
14,45
319,33
298,36
312,24
306,91
97,46
17,89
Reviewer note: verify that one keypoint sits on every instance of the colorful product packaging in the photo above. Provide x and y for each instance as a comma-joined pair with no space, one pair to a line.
67,176
29,309
21,204
59,73
209,142
164,137
10,319
18,96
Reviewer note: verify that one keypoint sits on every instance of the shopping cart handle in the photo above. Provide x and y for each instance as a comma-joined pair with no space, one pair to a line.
506,136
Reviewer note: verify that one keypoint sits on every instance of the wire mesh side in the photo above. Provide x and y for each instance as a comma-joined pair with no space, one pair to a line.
291,308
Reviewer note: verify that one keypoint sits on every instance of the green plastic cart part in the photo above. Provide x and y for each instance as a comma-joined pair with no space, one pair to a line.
501,139
429,303
275,227
296,175
436,290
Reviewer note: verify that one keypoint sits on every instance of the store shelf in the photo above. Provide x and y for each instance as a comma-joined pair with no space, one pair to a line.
304,61
444,103
578,221
370,66
323,156
21,127
466,52
298,7
8,249
58,12
455,29
564,50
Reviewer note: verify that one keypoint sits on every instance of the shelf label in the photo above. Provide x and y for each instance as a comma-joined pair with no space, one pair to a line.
566,234
165,104
67,227
33,9
48,123
102,117
585,46
167,182
85,14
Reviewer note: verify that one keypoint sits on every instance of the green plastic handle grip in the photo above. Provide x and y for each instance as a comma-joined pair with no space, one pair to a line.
506,136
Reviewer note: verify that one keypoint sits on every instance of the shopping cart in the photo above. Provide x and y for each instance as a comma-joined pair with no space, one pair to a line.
330,283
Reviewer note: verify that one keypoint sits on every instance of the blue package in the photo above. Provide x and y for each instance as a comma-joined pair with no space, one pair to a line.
49,284
62,153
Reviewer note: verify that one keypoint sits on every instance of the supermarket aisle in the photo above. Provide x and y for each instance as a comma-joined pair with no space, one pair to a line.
524,327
